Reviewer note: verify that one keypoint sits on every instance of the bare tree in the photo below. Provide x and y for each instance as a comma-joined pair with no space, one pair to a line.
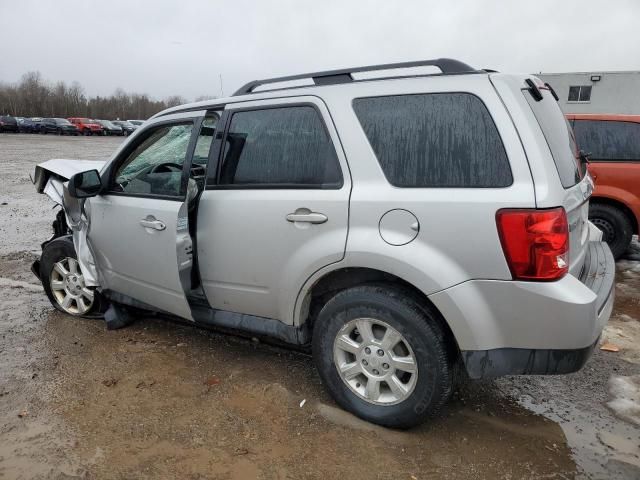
175,100
32,96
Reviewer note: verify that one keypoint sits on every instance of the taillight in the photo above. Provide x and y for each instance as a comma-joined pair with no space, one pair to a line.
535,242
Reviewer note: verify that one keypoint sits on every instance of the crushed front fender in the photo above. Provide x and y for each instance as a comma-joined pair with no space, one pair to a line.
50,178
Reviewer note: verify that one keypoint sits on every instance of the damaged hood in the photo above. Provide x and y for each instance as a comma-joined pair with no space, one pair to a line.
62,169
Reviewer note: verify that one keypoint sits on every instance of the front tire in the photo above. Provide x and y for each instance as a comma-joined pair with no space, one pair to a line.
63,281
383,356
616,227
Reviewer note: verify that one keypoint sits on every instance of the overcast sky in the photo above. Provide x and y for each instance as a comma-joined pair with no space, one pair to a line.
170,47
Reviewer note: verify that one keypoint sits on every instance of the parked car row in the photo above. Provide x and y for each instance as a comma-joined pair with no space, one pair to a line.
68,126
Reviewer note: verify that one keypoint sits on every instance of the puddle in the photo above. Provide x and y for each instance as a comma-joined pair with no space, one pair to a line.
601,448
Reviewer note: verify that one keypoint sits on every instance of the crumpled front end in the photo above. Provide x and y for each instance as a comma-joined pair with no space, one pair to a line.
50,178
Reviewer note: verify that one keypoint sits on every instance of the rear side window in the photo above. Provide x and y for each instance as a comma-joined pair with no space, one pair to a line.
608,140
559,136
284,147
435,140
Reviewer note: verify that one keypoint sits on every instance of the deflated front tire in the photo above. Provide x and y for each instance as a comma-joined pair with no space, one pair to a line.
63,281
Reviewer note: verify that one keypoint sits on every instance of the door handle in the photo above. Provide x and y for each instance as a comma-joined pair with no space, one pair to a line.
155,224
307,216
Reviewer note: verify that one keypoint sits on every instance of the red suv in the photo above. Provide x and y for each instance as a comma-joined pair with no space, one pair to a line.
87,126
612,143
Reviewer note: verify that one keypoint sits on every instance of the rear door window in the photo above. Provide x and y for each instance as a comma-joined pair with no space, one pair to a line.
435,140
608,140
284,147
559,136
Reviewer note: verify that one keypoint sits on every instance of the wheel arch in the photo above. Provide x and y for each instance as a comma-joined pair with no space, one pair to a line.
342,278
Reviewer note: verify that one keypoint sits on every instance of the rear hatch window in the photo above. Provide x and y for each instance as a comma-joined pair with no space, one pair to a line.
559,136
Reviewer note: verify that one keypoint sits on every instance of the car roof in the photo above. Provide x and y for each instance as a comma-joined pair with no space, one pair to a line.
326,79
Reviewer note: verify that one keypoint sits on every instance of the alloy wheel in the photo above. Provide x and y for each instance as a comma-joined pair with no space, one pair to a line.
68,287
375,361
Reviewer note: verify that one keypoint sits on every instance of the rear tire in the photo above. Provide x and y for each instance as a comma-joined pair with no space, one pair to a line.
616,227
399,397
63,281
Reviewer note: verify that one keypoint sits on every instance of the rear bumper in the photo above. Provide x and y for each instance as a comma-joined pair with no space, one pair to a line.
510,327
523,361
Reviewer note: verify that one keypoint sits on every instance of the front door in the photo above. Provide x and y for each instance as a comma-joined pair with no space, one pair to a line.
276,211
138,228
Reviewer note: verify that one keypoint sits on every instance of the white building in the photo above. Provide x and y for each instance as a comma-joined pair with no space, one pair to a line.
596,92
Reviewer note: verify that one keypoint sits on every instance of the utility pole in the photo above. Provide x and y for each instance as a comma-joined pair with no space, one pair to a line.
221,88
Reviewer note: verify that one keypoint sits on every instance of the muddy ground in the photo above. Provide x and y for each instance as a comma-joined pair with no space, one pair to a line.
165,400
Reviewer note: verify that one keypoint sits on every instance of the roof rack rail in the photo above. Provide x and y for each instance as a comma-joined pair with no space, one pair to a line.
448,66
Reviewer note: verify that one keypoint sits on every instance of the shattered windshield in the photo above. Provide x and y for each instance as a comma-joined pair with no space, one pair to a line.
155,166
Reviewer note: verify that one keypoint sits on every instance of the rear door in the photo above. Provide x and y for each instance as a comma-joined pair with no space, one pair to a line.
139,228
277,208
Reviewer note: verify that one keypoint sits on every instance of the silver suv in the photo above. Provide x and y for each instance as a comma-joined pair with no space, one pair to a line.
402,228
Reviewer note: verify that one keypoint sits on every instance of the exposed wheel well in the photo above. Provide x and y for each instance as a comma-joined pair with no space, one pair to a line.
620,206
344,278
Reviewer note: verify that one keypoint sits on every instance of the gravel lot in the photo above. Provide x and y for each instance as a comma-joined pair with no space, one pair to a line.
163,400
